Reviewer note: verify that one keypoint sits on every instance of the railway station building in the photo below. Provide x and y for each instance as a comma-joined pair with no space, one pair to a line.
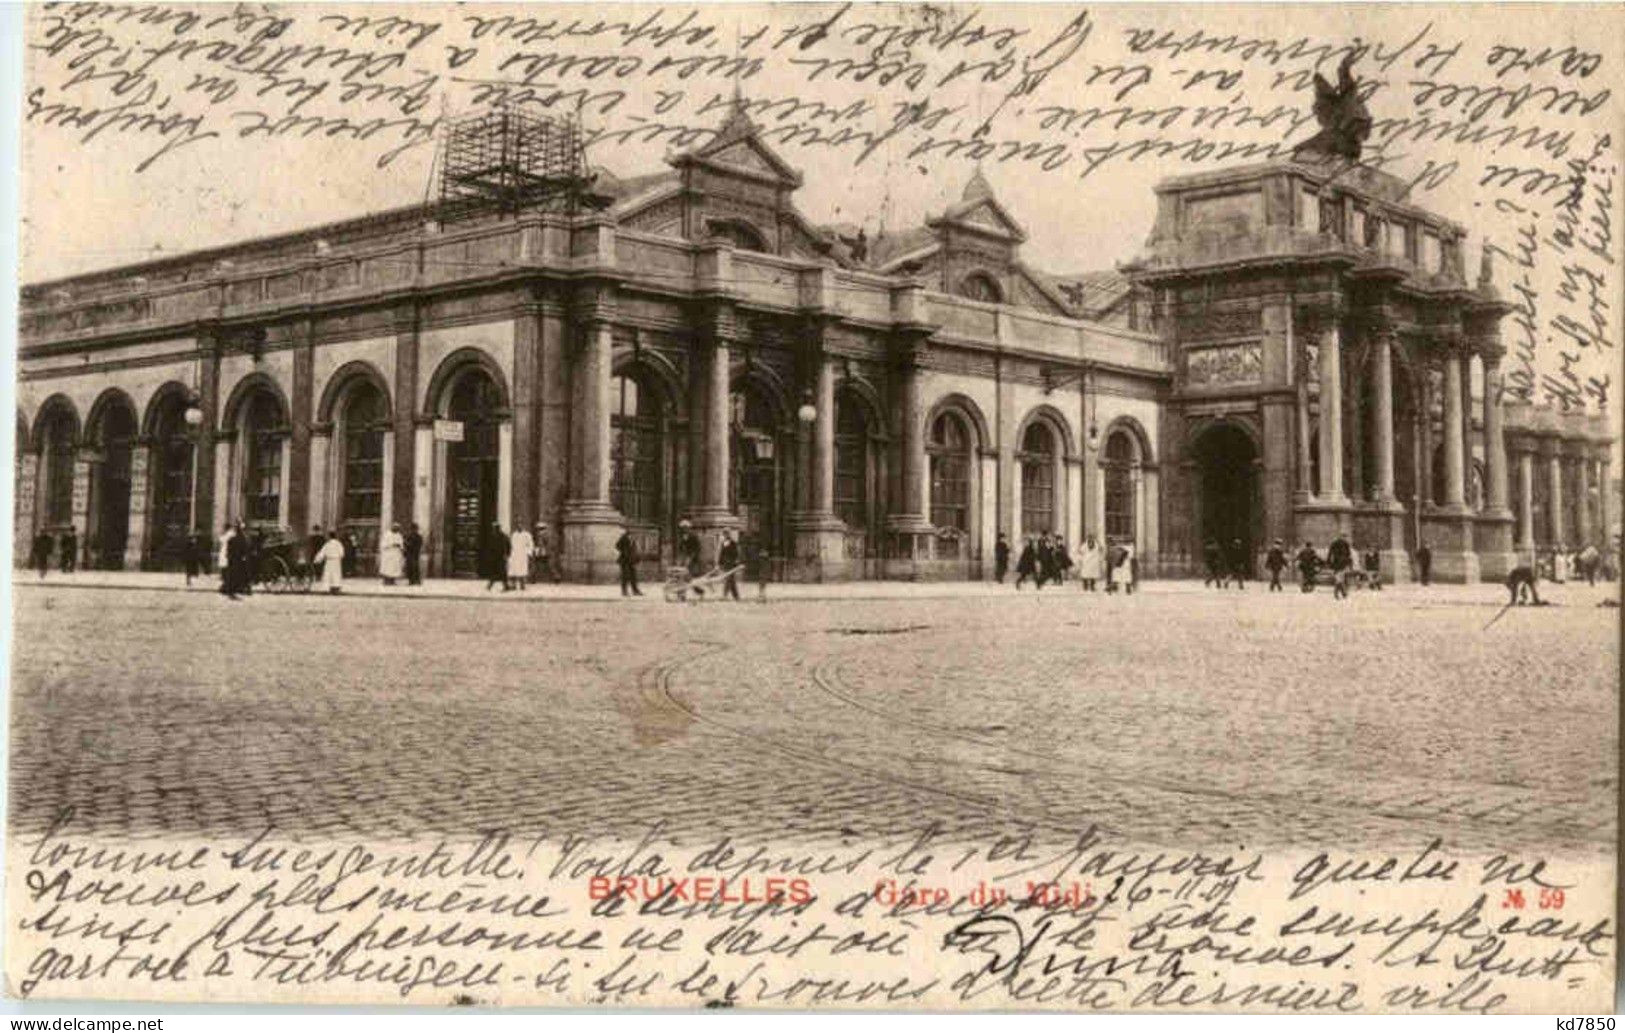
1296,353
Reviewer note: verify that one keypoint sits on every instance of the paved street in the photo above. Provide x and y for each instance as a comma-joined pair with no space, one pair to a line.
1180,715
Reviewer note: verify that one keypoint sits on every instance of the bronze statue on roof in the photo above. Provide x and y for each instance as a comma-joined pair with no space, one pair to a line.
1345,122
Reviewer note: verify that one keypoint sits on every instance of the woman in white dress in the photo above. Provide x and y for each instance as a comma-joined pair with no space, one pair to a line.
1089,563
521,546
332,557
391,554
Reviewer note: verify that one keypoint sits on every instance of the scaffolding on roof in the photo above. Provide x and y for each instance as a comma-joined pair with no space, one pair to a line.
508,162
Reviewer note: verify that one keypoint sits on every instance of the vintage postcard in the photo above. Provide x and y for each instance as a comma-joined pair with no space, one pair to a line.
818,506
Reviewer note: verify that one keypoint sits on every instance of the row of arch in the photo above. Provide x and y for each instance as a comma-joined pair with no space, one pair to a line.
355,414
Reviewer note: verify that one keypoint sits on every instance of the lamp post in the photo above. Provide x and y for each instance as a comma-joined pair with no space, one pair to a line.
194,420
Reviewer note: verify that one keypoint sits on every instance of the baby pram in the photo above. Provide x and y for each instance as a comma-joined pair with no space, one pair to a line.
679,584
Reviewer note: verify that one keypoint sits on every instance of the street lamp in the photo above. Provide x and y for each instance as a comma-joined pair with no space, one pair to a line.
194,419
808,412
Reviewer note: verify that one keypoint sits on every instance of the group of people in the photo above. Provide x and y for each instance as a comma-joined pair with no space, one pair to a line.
511,559
66,549
732,560
1045,559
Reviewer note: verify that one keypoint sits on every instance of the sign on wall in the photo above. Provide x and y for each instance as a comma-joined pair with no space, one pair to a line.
448,430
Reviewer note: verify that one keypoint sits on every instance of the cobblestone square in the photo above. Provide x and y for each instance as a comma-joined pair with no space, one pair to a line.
1178,715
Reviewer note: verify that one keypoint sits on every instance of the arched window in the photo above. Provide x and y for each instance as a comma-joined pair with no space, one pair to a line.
851,463
363,428
262,435
114,434
59,449
635,451
1121,458
980,287
1037,460
950,455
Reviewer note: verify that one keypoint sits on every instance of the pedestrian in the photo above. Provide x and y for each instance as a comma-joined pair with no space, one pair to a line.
1046,560
759,564
222,561
521,547
543,565
1275,562
493,561
42,553
626,558
352,552
1089,562
333,557
1308,564
728,560
1215,564
1063,559
1341,559
253,544
1001,557
1588,562
1373,570
1239,564
239,553
1424,563
68,551
412,548
1560,564
194,557
313,545
1129,568
392,555
688,550
1027,563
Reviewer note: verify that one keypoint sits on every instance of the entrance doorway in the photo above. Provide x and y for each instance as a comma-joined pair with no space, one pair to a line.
115,433
472,468
1227,480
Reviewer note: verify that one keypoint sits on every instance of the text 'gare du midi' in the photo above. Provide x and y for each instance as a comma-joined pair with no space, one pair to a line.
1298,353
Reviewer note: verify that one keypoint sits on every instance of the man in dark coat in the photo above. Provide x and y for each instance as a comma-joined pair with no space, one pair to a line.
313,547
1027,564
352,553
196,557
41,556
412,547
1521,586
1372,562
1308,563
1424,563
1215,564
626,558
68,551
1240,567
238,552
494,558
727,560
1341,559
1046,560
1001,558
1275,562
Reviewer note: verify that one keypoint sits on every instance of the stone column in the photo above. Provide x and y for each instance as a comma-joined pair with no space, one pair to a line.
1554,473
820,534
1526,502
714,483
301,401
1306,470
209,464
1331,417
1496,556
1605,502
135,547
591,524
405,471
1454,444
22,540
1383,418
909,522
1584,485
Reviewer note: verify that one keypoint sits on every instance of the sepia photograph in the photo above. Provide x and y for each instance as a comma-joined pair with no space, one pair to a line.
817,506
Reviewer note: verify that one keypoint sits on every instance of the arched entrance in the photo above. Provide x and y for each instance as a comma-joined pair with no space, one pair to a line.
113,431
473,466
170,475
1227,480
757,455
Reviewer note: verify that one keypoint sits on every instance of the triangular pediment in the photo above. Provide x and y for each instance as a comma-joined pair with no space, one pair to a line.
737,147
744,155
984,215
